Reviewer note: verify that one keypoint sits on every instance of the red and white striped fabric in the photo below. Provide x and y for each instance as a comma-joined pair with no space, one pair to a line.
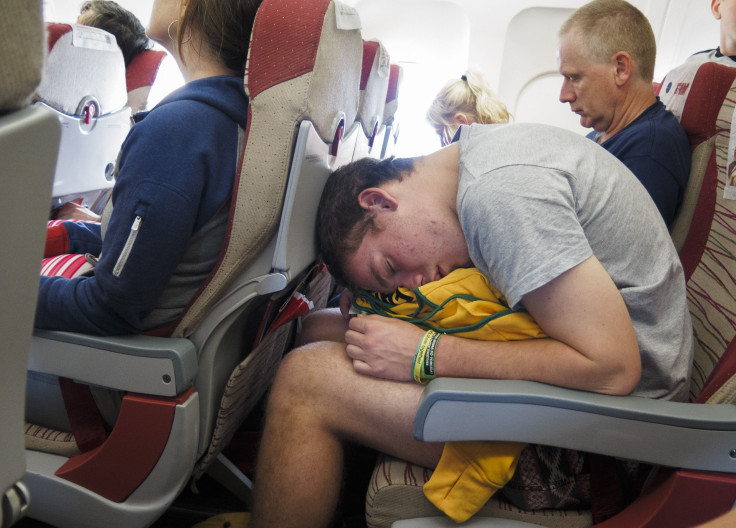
67,266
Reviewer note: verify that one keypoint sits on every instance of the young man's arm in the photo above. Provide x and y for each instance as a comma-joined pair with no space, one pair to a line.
592,344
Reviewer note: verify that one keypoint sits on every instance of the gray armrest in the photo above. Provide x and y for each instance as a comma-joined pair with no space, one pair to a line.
158,366
655,431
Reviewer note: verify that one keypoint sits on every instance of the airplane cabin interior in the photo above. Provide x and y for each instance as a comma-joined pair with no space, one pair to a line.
328,82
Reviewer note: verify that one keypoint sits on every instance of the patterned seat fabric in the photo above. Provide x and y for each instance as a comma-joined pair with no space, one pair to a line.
22,54
708,252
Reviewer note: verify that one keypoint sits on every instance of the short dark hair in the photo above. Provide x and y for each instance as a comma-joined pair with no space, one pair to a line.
341,221
128,30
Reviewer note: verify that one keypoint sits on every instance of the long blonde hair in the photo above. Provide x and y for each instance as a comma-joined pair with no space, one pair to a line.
469,95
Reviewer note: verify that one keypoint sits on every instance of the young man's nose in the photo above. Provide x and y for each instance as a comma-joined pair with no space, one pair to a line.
411,280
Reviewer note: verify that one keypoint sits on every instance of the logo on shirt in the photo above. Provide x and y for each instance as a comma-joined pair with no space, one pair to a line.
681,88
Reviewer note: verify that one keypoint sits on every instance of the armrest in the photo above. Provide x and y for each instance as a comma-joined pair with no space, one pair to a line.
686,435
159,366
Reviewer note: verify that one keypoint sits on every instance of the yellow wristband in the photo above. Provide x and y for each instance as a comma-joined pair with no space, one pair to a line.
414,363
428,361
428,344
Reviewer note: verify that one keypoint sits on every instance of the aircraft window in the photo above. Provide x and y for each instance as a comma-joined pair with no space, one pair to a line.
538,102
530,83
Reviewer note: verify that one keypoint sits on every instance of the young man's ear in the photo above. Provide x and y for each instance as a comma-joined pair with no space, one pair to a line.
377,199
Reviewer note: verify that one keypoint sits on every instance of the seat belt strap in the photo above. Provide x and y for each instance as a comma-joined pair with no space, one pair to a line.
84,416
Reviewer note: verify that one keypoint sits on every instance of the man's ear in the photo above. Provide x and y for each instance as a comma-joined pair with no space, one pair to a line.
715,8
624,67
377,199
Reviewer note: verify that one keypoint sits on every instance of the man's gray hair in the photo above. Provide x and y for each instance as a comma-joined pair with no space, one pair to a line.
609,26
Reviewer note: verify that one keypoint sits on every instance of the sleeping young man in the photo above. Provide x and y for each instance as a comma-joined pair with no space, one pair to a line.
564,231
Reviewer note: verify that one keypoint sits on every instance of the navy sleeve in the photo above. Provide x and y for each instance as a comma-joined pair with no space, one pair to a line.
161,179
84,237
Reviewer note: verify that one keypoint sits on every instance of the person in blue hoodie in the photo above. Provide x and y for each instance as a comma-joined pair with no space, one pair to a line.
162,233
174,181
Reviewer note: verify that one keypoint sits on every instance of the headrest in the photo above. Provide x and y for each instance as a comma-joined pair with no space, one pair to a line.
374,78
396,75
695,93
292,39
21,52
82,62
139,77
143,68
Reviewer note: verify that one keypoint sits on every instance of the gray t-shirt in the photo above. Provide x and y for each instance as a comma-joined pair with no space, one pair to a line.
534,201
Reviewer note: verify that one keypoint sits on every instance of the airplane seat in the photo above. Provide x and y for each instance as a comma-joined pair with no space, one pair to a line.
139,77
374,81
29,142
389,110
187,392
695,93
316,107
691,443
84,84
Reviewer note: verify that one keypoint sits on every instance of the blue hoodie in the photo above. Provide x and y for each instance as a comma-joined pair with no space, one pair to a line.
175,174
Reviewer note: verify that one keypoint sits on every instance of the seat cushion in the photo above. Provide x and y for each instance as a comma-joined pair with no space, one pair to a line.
395,492
38,438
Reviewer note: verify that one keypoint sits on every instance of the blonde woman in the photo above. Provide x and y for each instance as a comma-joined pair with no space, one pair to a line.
464,101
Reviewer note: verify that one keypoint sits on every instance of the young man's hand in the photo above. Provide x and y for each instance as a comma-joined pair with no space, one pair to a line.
382,347
346,302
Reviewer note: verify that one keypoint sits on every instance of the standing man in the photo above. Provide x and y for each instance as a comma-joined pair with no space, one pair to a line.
606,57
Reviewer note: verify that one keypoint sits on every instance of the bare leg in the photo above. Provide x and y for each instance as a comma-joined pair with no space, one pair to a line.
322,325
317,402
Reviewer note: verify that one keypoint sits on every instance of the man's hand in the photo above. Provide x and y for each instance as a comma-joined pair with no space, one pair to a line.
382,347
76,211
